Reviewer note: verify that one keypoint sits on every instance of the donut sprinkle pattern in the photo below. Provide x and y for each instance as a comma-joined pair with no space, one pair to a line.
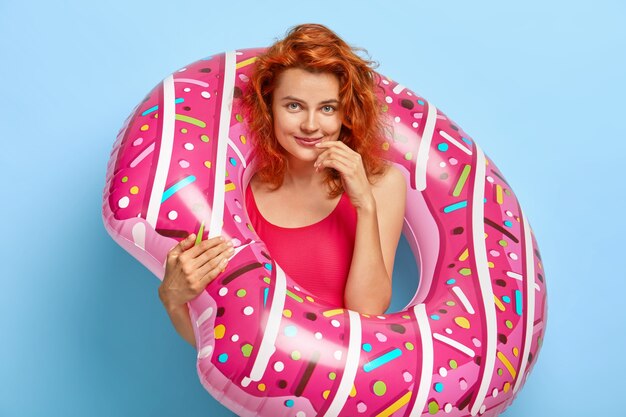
464,345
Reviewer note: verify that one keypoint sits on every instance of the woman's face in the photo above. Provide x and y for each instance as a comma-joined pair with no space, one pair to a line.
306,111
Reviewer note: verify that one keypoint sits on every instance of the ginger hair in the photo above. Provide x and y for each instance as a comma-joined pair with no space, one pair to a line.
316,48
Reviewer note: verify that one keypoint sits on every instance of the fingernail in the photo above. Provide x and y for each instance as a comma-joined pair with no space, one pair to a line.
229,243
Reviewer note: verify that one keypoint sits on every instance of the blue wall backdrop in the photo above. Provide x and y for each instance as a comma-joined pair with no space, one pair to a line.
540,85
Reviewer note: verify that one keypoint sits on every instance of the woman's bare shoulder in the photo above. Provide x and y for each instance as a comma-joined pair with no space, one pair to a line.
390,182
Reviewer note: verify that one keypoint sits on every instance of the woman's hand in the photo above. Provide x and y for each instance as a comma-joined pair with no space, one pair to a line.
189,269
337,155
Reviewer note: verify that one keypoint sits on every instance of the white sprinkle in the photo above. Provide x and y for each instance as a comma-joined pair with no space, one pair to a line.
279,366
205,94
124,202
189,146
248,310
223,291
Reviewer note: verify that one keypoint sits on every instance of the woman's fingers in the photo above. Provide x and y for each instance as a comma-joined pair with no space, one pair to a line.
222,250
183,245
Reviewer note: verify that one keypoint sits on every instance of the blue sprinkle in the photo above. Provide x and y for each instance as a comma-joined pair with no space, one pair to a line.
506,299
268,266
223,357
232,161
451,281
518,302
420,102
438,387
442,147
435,317
265,293
289,403
508,223
367,347
466,140
291,331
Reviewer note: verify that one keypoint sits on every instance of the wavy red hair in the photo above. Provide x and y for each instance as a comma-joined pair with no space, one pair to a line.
316,48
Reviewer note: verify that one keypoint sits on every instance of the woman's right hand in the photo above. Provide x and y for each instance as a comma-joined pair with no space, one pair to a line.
189,269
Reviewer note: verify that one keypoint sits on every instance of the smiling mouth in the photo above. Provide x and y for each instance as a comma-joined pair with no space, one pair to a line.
308,141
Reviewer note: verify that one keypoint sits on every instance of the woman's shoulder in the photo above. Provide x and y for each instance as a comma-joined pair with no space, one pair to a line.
391,180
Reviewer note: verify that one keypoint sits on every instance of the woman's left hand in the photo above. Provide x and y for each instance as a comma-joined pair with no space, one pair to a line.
337,155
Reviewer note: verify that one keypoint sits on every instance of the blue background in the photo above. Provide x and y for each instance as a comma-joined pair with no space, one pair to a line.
540,85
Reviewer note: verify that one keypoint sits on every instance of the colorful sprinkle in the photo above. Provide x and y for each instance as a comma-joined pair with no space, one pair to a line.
190,120
433,407
462,322
241,293
223,357
367,347
291,331
177,187
289,403
379,388
455,206
438,387
204,138
382,360
443,147
246,350
219,331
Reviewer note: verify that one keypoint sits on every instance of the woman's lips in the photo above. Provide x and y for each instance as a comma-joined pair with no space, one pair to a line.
308,141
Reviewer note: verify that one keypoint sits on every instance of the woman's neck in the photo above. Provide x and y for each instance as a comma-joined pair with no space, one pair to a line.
302,175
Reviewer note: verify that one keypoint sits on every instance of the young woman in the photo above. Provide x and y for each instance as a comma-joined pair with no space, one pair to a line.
328,208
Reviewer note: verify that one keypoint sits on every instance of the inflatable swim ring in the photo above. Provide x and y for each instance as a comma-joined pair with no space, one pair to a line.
463,346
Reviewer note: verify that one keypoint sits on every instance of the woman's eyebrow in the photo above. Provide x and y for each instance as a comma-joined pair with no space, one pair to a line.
329,101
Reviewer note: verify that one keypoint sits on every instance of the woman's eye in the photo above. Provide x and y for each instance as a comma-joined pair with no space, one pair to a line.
293,106
328,109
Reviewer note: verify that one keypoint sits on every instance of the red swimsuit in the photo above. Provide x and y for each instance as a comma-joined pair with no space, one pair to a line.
317,256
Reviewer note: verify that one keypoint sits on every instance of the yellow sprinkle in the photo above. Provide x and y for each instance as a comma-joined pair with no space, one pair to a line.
499,198
330,313
246,62
207,164
464,255
516,352
462,322
134,189
261,387
499,303
308,297
325,394
287,313
386,146
396,405
490,264
353,391
507,364
229,187
219,331
243,139
507,387
144,128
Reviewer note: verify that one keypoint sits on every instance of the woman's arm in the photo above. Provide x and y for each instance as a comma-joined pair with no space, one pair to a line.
380,214
188,270
379,225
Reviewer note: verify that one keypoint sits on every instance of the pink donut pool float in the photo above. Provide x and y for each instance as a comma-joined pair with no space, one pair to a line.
463,346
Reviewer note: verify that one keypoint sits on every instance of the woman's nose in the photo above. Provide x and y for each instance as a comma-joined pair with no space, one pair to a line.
309,123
